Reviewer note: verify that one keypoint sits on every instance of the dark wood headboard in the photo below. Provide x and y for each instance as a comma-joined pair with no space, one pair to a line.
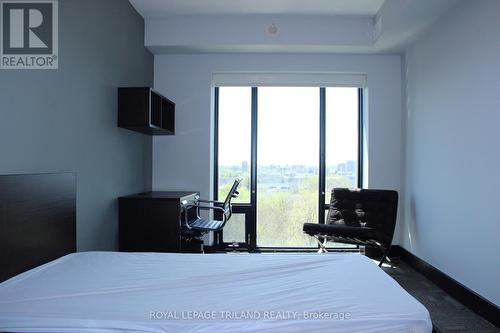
37,220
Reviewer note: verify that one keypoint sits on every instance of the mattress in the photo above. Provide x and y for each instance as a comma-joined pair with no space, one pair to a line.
223,293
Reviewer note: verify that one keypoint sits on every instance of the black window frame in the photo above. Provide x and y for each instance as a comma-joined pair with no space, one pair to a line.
250,209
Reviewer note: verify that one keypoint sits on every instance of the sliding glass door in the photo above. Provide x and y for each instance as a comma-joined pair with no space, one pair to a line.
291,146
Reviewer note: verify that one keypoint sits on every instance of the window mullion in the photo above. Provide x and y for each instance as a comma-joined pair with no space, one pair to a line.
360,137
216,143
252,230
322,155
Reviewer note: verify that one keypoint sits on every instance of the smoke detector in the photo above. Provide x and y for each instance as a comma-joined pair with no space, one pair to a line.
272,29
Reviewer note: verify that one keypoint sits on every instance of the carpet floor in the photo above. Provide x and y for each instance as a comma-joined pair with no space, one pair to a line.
448,315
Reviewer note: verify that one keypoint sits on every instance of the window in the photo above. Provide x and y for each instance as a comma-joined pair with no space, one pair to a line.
291,146
287,164
234,135
342,135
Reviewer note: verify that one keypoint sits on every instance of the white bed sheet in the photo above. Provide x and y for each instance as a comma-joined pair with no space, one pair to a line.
212,293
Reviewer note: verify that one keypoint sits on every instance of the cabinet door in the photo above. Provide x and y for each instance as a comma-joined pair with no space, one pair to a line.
163,230
149,226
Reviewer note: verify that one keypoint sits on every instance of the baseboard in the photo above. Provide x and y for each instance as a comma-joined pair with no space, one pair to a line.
461,293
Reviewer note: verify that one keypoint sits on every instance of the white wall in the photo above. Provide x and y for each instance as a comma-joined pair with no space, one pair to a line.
183,161
452,157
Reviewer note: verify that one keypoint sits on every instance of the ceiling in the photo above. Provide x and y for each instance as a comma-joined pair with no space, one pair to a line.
165,8
300,26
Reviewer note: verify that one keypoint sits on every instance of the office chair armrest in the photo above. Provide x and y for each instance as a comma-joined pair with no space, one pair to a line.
212,202
215,208
207,208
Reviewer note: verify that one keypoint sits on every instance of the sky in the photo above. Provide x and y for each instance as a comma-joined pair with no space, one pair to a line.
288,125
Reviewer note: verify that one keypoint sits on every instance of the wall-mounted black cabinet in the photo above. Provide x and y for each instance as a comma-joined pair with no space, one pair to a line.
144,110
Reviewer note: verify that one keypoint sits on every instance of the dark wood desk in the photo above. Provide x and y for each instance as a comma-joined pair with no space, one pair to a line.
151,221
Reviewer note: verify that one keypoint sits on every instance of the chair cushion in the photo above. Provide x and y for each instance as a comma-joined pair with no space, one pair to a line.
206,224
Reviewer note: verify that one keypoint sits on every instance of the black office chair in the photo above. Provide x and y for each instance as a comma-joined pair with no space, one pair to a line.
195,228
358,216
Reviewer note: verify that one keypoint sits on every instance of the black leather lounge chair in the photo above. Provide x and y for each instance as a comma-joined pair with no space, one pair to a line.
358,216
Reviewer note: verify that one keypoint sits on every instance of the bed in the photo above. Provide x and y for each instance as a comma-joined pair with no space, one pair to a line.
167,292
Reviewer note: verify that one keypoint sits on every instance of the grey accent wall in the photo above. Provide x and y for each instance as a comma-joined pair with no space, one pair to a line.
452,114
65,119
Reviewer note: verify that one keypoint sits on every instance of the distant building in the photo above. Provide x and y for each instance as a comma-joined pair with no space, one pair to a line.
347,168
